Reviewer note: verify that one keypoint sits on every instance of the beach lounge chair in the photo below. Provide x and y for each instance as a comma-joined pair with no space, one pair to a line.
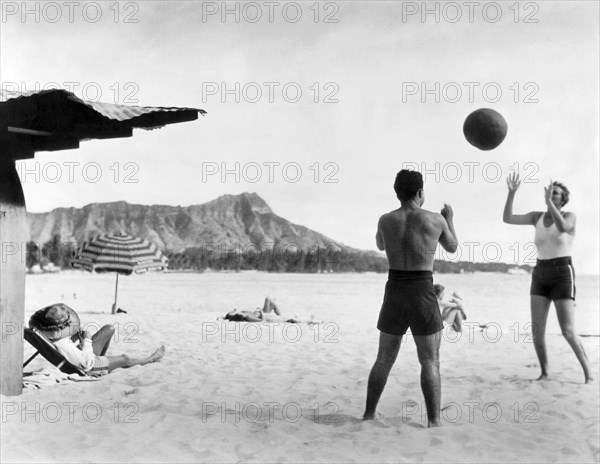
47,349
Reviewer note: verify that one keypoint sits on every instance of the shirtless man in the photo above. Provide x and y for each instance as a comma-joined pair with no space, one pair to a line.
409,236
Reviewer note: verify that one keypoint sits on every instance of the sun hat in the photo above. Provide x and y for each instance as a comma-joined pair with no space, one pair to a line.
56,321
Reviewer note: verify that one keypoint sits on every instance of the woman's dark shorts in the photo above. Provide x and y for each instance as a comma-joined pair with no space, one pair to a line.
553,279
410,301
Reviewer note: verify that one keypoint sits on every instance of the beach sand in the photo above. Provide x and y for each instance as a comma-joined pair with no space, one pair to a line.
244,392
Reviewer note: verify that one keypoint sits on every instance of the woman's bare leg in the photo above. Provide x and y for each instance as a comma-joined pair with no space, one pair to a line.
565,312
101,340
458,320
125,361
266,306
270,306
539,315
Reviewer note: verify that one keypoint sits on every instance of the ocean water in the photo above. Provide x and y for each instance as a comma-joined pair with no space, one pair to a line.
501,300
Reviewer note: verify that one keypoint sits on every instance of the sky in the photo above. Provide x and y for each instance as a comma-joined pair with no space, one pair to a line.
315,106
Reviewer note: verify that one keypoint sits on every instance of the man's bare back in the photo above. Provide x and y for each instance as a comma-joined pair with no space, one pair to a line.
410,234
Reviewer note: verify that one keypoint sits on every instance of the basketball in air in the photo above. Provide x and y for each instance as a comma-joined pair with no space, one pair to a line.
485,129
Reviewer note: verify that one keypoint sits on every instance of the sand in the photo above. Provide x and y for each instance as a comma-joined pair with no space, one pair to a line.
244,392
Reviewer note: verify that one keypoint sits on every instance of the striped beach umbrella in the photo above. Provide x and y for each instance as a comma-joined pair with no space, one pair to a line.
120,253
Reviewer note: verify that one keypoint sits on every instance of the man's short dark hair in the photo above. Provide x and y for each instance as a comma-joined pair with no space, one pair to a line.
407,184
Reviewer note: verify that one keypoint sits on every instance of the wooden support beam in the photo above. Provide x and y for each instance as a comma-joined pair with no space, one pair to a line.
13,227
20,130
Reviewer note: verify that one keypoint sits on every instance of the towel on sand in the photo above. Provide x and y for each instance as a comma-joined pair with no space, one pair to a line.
50,376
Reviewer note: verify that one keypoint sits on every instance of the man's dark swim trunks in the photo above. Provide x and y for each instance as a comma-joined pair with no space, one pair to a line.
410,301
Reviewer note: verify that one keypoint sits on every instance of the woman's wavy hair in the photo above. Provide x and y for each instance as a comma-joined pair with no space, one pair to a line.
565,192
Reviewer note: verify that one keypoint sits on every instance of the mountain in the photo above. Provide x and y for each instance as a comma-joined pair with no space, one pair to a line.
229,221
230,232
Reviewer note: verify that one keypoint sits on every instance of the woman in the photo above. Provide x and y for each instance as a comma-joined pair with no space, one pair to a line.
452,310
61,325
553,278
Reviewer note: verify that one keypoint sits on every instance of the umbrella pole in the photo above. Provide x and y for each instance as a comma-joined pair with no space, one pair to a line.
114,306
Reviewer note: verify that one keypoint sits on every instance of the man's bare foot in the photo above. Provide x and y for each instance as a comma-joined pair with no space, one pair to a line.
376,416
433,424
589,380
543,377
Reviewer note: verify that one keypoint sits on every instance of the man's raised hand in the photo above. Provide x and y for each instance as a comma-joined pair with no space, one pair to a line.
447,212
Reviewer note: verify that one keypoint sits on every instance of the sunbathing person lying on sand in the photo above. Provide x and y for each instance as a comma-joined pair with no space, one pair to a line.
269,313
452,309
61,325
242,316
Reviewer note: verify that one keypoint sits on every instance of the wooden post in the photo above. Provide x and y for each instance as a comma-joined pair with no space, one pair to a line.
13,231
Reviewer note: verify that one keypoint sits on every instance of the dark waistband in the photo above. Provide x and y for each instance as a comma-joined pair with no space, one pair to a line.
562,261
395,274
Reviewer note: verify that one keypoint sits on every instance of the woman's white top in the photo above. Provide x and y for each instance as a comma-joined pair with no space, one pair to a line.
550,242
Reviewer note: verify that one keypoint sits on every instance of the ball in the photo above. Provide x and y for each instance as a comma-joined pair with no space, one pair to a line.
485,128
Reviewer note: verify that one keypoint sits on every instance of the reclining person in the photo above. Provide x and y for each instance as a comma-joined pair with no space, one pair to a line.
61,325
453,309
270,313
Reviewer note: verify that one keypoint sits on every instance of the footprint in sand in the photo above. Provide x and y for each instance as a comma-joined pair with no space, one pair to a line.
132,391
374,423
